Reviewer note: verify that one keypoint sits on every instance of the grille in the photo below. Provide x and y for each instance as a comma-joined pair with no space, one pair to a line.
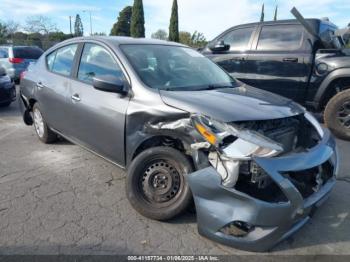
310,181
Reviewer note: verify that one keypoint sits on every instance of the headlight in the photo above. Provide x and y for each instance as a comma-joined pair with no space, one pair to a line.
315,123
247,143
232,145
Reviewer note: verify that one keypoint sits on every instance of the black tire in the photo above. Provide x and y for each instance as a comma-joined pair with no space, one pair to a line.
159,201
46,135
335,115
7,104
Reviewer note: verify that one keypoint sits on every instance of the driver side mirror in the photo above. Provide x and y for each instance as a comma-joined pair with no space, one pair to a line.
110,84
219,46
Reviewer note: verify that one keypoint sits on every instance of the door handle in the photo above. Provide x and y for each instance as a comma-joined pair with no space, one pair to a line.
40,85
76,98
291,59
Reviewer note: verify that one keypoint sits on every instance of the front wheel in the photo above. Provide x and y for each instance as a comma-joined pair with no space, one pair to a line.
337,115
156,186
44,133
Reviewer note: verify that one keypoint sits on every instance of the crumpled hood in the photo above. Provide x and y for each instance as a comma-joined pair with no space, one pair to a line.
243,103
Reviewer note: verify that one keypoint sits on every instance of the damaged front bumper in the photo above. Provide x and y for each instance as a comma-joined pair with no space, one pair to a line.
263,223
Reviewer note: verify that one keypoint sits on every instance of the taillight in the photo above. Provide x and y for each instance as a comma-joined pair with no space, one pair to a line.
15,60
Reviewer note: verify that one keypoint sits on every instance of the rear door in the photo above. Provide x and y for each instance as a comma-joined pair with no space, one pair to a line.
96,119
233,61
53,86
278,61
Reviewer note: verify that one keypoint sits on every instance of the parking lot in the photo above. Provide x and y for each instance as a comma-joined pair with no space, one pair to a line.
62,199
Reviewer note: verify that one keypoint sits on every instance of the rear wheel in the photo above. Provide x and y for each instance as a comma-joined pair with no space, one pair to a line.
337,115
44,133
156,185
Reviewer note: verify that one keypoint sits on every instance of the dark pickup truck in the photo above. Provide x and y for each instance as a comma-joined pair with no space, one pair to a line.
303,59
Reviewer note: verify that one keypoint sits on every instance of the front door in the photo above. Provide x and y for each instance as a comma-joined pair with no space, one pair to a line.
233,61
277,62
97,118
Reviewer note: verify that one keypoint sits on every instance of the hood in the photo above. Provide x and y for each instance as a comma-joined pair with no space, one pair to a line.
242,103
335,60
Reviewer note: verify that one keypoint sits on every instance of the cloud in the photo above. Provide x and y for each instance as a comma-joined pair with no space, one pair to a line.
207,16
36,7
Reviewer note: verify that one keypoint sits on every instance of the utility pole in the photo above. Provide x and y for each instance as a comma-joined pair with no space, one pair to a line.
70,25
86,11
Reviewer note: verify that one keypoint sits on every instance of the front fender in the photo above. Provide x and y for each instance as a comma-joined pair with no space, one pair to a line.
336,74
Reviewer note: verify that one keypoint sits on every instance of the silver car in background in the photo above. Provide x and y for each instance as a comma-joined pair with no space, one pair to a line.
15,59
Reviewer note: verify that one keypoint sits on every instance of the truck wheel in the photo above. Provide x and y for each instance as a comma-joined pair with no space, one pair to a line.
156,186
337,115
44,133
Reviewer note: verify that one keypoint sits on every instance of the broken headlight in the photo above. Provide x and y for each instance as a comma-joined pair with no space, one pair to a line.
233,144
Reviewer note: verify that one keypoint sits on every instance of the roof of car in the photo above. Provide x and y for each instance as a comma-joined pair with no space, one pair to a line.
120,40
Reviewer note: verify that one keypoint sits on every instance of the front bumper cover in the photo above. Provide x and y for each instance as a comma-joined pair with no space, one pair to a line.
218,206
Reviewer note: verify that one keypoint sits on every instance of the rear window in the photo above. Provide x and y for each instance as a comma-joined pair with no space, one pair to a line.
61,60
27,52
284,37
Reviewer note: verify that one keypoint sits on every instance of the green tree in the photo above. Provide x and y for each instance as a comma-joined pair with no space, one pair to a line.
78,26
137,27
3,30
262,13
195,40
160,34
198,40
174,23
3,33
275,15
122,26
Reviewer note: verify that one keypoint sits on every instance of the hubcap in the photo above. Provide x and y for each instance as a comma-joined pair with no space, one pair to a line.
343,115
160,182
38,123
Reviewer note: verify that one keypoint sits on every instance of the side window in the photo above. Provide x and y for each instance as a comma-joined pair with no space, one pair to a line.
50,59
62,60
286,37
4,53
96,61
239,39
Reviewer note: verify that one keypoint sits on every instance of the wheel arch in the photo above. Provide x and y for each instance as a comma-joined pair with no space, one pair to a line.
160,140
327,87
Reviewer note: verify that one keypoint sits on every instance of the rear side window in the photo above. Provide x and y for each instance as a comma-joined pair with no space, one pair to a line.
96,61
4,52
286,37
61,61
50,59
27,52
239,39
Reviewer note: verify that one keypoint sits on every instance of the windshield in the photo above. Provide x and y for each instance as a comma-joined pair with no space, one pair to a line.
175,68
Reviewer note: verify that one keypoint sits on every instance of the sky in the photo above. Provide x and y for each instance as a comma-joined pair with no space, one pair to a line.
210,17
